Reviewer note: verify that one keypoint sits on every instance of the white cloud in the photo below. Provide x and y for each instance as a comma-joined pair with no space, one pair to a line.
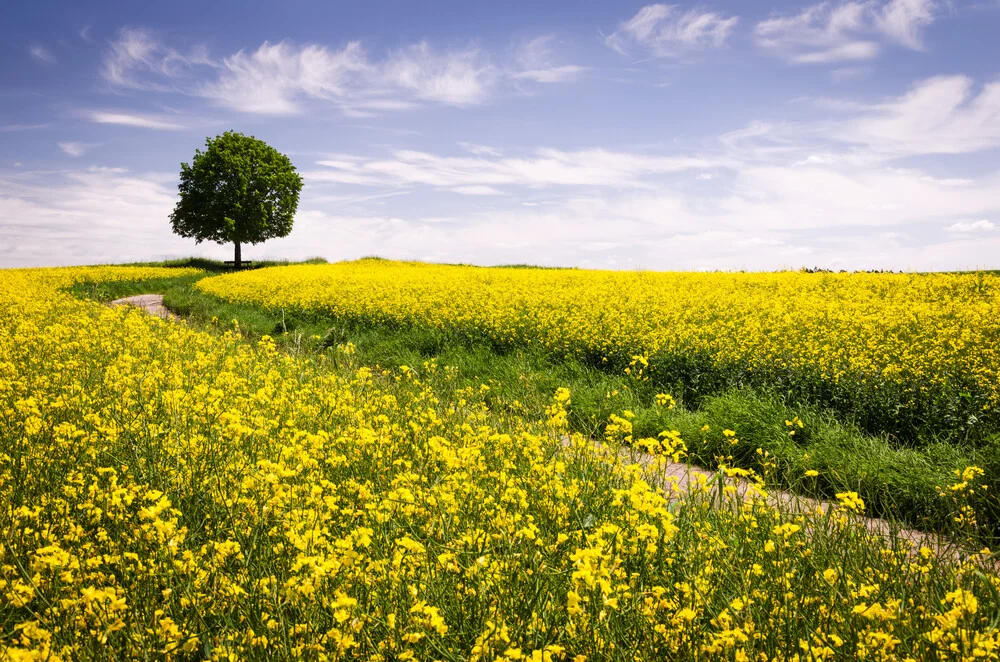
281,78
76,148
982,225
662,30
536,62
480,150
825,192
138,60
652,230
560,74
476,190
941,115
767,217
855,50
817,159
820,33
903,21
846,31
271,79
86,217
545,168
458,78
818,193
133,119
42,54
845,196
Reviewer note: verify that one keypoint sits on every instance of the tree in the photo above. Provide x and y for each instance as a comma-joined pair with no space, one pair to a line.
239,190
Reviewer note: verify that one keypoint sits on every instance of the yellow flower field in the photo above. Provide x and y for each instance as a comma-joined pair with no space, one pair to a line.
905,354
173,494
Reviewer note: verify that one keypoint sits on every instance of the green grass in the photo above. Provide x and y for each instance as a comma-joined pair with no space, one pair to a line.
896,482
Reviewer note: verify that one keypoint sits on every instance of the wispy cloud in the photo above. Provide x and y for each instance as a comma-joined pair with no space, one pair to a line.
662,30
478,189
138,60
982,225
560,74
133,119
42,54
537,61
847,31
272,79
276,78
281,78
458,78
821,33
904,21
480,150
86,216
940,115
544,168
73,148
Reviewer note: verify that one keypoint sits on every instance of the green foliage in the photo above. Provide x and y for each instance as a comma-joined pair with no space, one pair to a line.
239,190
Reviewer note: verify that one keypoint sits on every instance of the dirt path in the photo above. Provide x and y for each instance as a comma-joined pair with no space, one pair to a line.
677,478
151,303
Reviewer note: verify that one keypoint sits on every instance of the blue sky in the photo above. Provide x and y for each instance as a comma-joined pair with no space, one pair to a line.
725,135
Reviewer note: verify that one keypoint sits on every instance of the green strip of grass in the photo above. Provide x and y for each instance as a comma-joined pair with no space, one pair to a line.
895,482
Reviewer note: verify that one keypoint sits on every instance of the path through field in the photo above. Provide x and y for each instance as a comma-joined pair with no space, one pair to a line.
151,303
676,478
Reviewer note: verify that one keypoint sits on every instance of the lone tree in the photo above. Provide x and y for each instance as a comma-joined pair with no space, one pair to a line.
238,190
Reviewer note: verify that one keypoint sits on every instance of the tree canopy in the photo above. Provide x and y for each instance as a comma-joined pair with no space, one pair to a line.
239,190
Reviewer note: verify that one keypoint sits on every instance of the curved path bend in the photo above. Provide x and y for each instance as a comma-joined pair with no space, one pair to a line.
151,303
675,478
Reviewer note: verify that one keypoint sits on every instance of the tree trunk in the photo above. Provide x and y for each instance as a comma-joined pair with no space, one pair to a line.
237,260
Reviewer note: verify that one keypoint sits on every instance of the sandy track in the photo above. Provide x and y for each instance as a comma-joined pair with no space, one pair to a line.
676,478
151,303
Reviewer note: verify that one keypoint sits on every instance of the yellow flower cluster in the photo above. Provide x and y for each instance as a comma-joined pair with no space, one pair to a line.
172,494
882,346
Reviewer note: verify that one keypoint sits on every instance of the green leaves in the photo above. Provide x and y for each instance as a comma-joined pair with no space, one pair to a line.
240,189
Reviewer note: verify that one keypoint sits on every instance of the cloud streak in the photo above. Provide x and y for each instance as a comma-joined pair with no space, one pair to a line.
133,120
85,216
75,148
661,30
138,60
939,115
283,78
852,31
486,173
536,61
42,54
966,227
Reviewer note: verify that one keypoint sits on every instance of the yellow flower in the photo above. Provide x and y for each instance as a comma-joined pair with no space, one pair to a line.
851,501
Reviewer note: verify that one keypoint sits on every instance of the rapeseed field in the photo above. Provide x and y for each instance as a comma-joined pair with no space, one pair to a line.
912,355
167,493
